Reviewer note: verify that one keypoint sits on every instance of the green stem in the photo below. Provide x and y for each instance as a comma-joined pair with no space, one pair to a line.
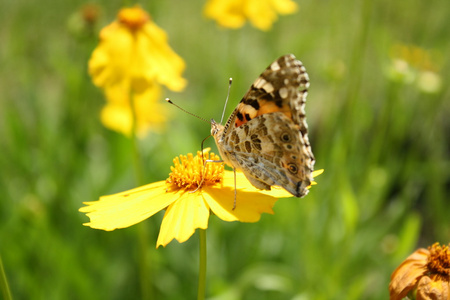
4,283
137,159
202,266
144,265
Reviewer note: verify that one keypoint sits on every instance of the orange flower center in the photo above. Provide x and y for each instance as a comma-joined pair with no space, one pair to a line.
439,260
190,172
134,17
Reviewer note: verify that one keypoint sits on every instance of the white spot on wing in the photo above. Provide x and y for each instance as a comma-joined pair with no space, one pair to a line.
275,66
283,92
268,87
259,82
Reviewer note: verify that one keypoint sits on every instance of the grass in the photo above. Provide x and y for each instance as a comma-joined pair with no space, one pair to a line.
383,142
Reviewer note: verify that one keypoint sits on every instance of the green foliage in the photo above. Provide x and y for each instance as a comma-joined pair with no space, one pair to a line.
383,142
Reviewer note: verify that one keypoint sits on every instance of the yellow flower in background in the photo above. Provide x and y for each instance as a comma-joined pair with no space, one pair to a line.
425,274
133,52
130,63
261,13
150,114
187,206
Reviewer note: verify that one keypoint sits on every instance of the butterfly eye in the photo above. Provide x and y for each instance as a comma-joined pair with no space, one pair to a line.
285,137
293,168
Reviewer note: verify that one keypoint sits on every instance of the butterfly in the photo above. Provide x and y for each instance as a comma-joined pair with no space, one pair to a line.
266,136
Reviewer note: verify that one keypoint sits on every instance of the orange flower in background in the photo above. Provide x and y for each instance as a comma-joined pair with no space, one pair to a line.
187,206
261,13
425,274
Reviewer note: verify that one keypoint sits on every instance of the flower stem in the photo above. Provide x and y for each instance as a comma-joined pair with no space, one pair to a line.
137,159
144,265
144,272
202,265
4,283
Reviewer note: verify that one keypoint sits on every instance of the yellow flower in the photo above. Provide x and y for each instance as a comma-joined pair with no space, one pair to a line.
425,273
150,114
187,206
133,53
261,13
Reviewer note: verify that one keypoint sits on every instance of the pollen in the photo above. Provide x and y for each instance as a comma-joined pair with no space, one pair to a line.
133,18
439,260
191,172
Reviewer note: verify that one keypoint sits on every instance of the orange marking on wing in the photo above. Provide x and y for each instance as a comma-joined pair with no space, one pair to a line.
265,107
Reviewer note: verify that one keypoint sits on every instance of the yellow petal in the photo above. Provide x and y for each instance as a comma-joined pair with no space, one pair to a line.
137,54
249,205
227,13
243,184
284,7
182,217
110,61
260,13
127,208
157,59
317,172
250,202
150,114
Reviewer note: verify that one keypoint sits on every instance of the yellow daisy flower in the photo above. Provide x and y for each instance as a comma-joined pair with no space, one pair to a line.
425,273
133,52
261,13
187,206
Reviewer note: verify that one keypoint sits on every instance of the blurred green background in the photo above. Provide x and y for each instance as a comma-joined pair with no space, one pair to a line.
379,117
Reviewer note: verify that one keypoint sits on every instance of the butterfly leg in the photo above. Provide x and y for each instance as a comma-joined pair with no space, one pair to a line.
204,171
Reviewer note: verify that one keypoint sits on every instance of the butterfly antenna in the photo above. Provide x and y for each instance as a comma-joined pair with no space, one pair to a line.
188,112
230,81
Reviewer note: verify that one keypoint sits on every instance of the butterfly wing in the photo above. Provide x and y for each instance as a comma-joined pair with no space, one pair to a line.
266,135
270,151
281,87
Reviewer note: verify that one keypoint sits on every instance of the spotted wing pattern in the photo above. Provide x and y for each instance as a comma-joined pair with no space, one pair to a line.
266,135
